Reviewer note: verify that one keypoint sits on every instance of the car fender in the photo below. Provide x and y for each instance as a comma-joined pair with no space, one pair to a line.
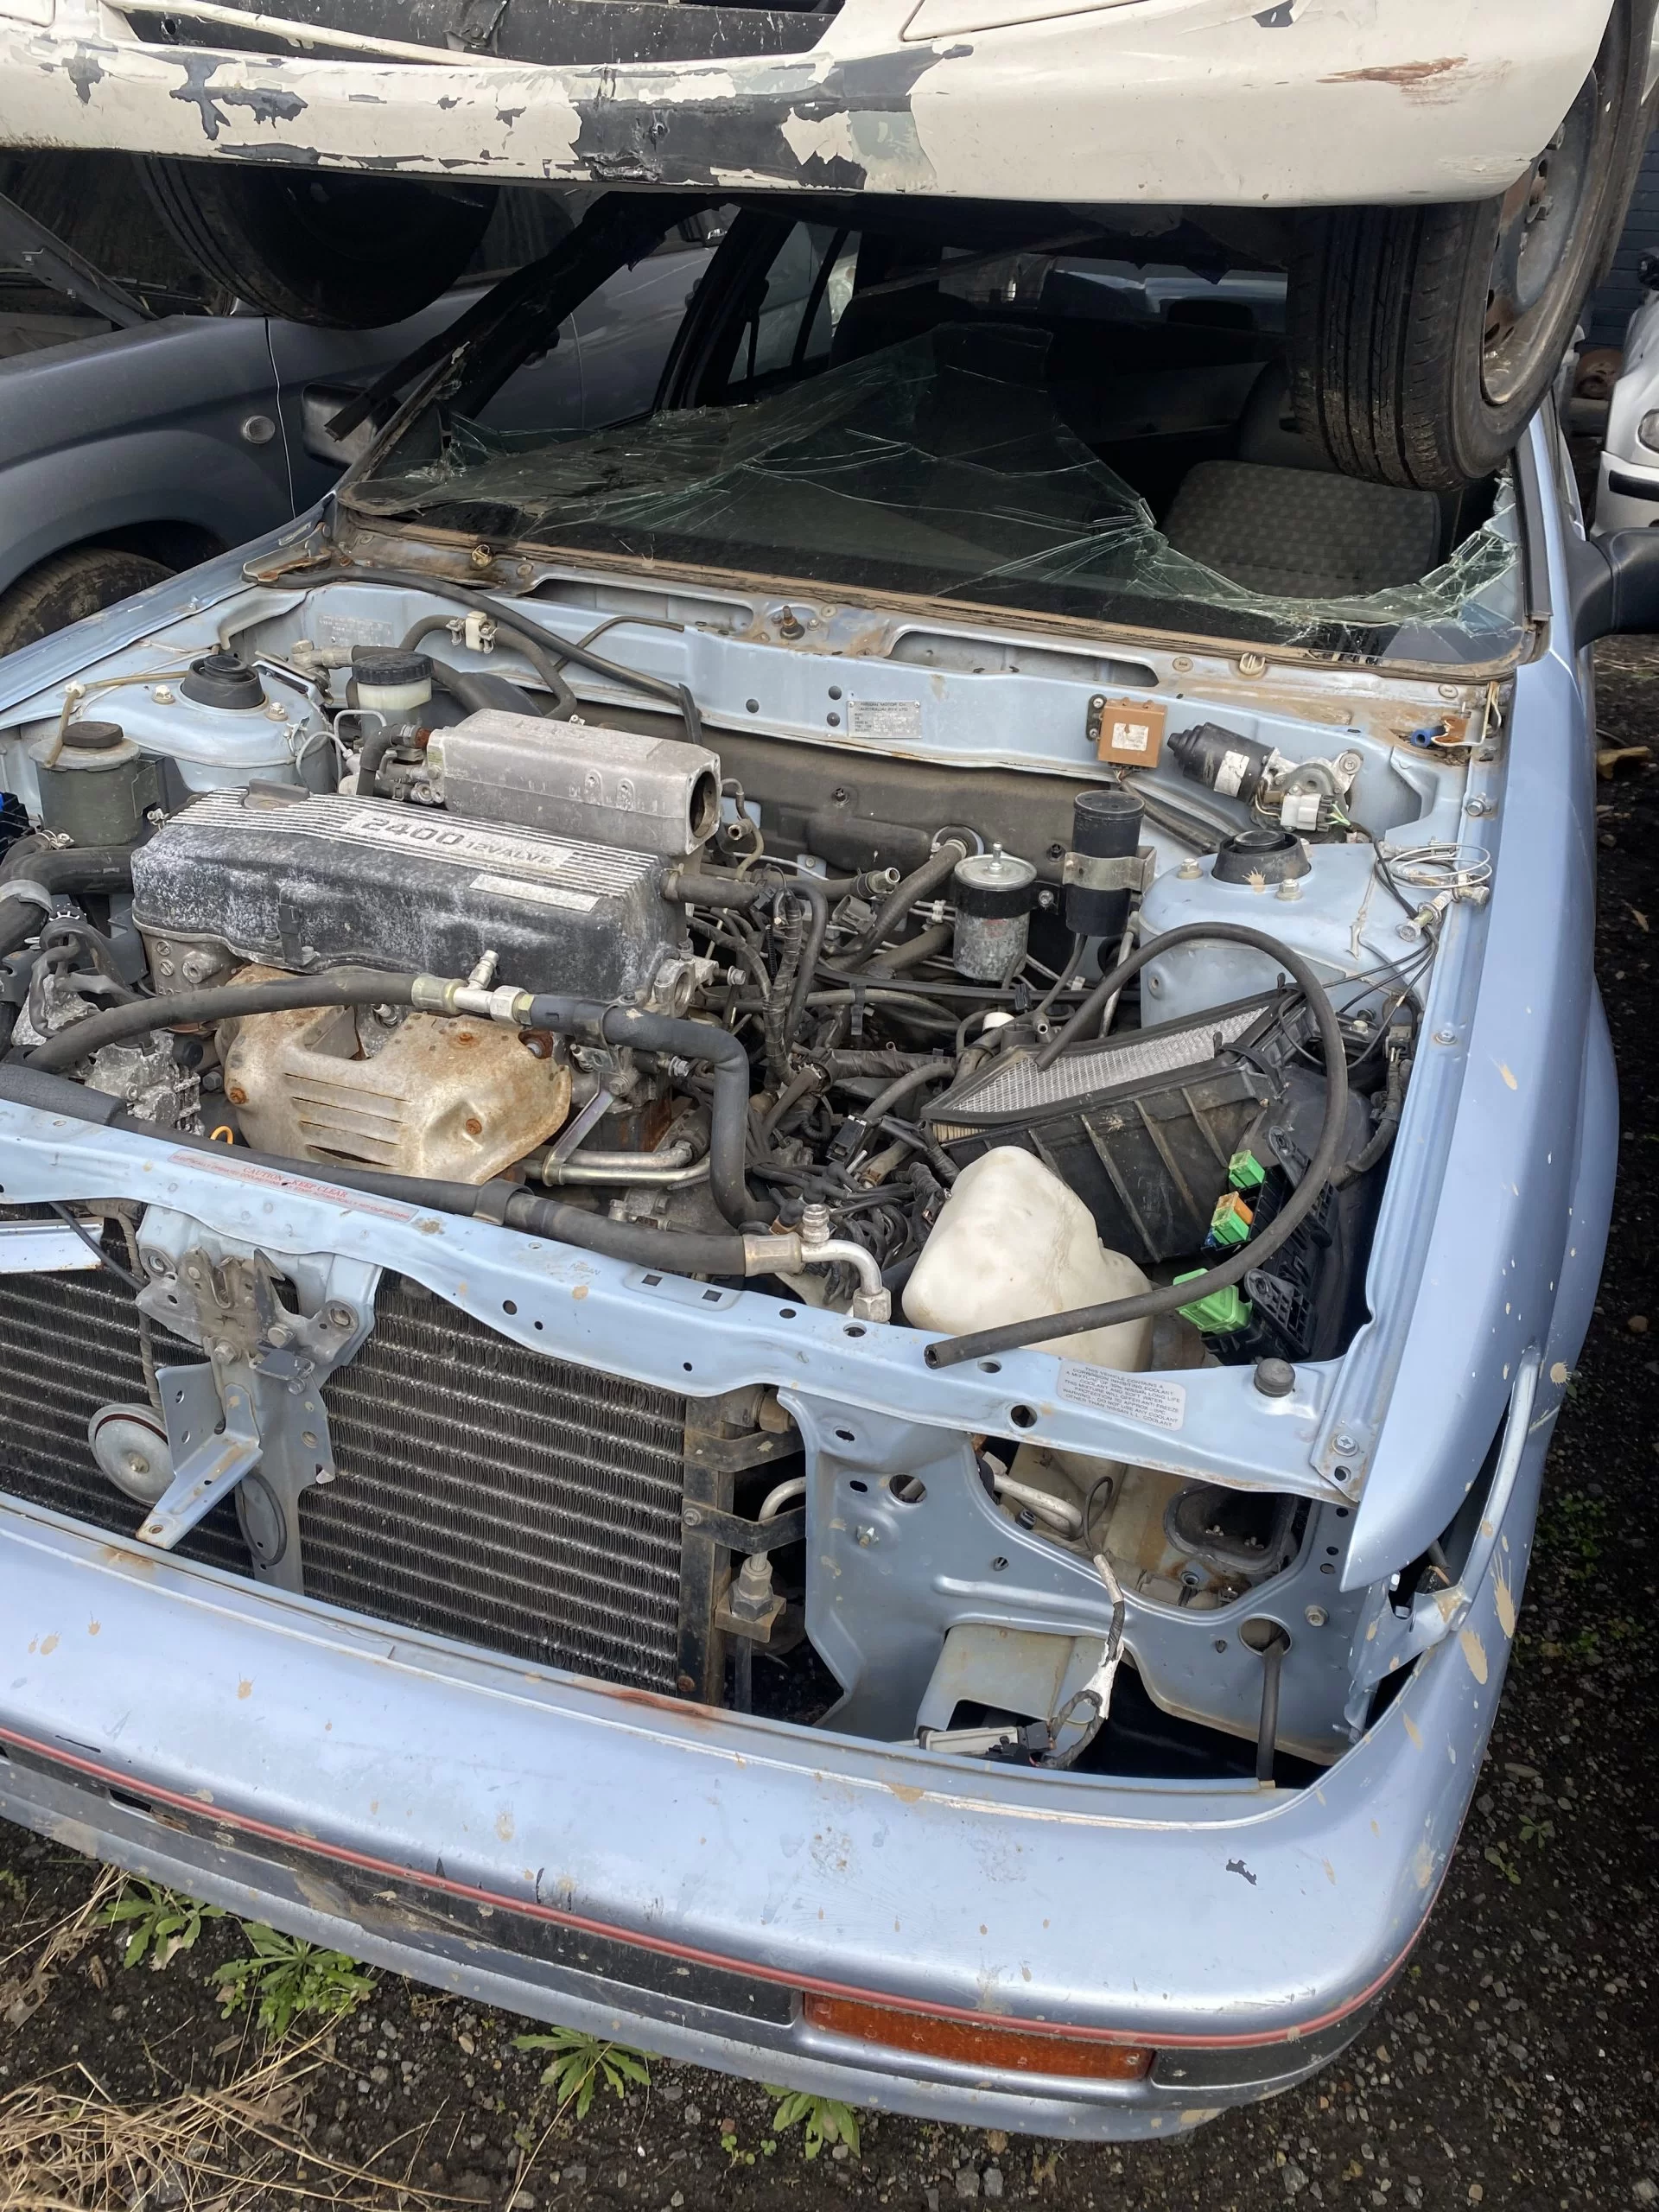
1512,1057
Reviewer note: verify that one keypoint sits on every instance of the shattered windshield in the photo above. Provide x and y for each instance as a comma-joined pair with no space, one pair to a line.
945,465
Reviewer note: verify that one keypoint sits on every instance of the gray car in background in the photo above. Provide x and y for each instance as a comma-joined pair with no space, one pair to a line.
136,442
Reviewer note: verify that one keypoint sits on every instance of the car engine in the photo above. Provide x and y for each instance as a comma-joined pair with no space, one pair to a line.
1112,1067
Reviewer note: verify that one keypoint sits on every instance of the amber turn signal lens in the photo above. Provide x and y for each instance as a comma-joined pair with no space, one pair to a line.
1007,2050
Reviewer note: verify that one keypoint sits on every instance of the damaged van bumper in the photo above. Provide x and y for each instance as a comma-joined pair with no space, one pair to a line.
719,1888
1221,103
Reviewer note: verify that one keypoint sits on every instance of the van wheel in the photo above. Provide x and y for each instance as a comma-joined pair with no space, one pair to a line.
346,252
1421,339
68,586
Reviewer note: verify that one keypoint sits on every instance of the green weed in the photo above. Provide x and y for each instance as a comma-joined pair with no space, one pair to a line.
1573,1531
581,2062
161,1923
828,2120
284,1979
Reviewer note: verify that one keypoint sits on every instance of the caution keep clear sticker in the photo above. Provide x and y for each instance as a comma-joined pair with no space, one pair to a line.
1137,1397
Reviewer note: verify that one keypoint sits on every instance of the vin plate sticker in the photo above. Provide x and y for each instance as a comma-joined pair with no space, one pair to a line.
1137,1397
893,719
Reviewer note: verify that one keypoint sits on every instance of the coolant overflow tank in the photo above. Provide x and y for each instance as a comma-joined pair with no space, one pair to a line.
578,780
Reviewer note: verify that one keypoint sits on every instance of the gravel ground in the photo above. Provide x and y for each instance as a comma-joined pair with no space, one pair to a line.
1513,2067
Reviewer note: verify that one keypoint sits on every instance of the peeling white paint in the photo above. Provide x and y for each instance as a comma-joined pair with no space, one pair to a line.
1214,109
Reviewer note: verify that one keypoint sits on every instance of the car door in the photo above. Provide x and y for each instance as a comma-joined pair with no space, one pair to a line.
169,422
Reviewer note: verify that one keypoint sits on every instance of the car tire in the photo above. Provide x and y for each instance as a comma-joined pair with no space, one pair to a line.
1422,339
342,252
68,586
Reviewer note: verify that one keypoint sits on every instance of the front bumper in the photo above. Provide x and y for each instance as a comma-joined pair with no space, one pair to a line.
1209,102
677,1878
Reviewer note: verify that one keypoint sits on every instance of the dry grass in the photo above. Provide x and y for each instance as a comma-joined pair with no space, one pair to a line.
24,1990
65,2145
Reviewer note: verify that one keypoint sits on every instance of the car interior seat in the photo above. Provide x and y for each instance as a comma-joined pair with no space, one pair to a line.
1278,517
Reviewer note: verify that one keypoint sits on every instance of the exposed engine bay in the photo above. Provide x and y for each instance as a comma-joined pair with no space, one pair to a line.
1113,1067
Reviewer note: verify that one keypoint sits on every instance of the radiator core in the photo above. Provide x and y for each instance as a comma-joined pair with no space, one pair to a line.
485,1492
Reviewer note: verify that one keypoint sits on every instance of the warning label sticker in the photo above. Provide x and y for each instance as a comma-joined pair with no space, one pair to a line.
1137,1397
270,1178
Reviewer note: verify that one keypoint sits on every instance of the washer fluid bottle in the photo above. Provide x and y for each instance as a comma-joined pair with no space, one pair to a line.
1012,1244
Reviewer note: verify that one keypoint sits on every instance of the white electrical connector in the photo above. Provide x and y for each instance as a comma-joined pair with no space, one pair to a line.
1299,811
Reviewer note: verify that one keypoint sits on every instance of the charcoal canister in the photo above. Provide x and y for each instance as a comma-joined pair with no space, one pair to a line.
1102,868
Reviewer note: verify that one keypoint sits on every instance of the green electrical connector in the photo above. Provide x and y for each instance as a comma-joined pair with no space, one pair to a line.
1245,1172
1230,1224
1221,1313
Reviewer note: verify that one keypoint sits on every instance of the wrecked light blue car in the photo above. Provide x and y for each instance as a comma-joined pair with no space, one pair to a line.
794,1199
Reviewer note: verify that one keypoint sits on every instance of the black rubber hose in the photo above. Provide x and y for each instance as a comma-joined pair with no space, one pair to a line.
223,1002
776,1021
870,1117
677,1251
100,868
923,882
612,1025
477,688
532,642
371,750
817,902
535,642
689,889
983,1343
727,1060
1386,1128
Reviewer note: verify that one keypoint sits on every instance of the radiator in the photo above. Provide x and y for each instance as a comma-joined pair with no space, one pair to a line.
69,1345
483,1492
490,1492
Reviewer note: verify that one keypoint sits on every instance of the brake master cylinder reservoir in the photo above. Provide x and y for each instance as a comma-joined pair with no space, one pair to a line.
389,681
994,893
1012,1243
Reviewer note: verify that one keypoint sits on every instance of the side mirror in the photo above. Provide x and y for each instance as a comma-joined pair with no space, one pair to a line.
1615,584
